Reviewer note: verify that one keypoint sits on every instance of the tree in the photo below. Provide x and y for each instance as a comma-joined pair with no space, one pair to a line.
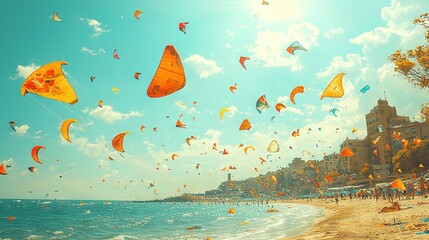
414,63
408,160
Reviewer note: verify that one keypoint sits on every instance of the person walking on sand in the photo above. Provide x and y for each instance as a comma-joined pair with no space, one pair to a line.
336,198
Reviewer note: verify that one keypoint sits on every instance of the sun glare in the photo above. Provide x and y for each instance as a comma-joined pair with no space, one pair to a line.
276,10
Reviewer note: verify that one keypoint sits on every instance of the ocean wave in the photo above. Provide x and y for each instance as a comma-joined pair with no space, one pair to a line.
123,237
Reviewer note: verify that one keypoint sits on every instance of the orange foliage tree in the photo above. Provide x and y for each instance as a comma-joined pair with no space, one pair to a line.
414,63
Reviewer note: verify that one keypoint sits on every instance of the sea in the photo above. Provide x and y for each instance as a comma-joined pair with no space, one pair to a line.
117,220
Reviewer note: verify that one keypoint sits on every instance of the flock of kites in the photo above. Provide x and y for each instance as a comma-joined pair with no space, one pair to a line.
49,81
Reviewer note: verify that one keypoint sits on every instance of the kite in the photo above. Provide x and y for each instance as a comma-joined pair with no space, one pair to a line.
256,169
31,169
245,125
333,111
295,133
387,147
12,125
247,148
417,141
346,152
179,124
365,88
273,179
214,146
375,141
56,18
280,106
115,90
233,88
272,119
195,103
92,78
295,46
265,2
222,111
182,26
298,89
262,160
231,211
261,103
155,129
375,152
35,152
170,75
398,184
142,127
188,140
115,54
370,177
334,88
100,103
305,151
354,130
2,170
110,158
273,147
65,128
174,156
396,135
137,13
117,141
136,75
225,152
232,167
421,166
329,179
242,60
49,81
380,128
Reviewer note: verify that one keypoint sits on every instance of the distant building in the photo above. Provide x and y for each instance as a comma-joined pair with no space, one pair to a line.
361,155
408,130
331,162
229,177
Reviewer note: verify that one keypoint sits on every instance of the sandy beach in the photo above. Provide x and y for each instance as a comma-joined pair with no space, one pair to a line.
361,219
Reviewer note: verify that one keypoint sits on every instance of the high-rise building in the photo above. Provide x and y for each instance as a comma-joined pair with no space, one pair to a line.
229,177
378,122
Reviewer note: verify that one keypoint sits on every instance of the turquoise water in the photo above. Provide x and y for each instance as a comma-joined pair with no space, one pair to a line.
39,219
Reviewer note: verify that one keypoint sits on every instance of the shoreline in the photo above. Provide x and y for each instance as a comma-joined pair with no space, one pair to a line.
361,219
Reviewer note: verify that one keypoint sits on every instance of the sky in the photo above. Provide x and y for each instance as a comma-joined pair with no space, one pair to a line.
354,37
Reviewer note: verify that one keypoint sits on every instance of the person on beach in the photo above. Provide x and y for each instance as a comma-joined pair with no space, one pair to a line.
336,198
389,194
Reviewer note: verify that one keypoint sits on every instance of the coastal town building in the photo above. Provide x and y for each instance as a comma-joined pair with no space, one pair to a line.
331,162
378,122
361,155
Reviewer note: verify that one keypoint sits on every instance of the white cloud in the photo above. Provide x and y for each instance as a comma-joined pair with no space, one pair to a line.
96,26
230,33
204,67
293,110
107,114
397,17
385,71
270,46
93,52
92,149
24,71
282,99
21,130
227,45
334,31
339,64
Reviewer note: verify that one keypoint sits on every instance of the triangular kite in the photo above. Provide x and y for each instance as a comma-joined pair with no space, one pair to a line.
334,88
245,125
346,152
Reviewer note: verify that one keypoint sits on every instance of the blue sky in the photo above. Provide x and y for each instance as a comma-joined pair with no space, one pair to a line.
354,37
